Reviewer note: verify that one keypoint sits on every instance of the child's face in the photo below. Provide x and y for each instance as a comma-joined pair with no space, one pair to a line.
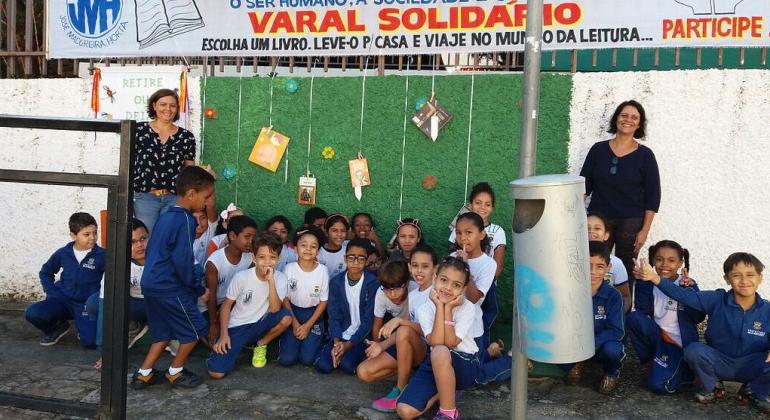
242,241
599,270
362,227
449,284
397,295
265,258
408,237
336,233
667,263
138,243
468,235
744,279
203,222
355,258
482,205
422,269
596,229
85,238
280,229
307,248
197,199
319,223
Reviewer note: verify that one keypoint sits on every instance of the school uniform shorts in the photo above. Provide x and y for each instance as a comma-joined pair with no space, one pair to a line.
422,384
176,318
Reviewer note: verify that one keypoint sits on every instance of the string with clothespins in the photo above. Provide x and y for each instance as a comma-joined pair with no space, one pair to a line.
403,140
359,167
363,102
238,137
470,132
310,118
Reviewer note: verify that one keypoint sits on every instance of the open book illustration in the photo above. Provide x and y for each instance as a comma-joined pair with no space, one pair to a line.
157,20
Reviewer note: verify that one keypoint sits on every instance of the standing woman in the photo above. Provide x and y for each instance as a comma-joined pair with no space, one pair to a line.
623,181
162,150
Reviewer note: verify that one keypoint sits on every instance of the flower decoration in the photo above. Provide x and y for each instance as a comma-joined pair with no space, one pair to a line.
327,152
210,113
420,102
229,172
429,182
291,86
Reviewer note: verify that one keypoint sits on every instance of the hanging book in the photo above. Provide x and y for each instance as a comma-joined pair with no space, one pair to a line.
306,190
269,149
160,20
431,118
359,174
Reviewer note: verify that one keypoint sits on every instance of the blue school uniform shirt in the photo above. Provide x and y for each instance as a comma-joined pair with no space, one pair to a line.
687,317
169,263
731,330
78,280
339,311
608,315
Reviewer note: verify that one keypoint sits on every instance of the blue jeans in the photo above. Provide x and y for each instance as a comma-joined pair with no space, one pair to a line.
148,207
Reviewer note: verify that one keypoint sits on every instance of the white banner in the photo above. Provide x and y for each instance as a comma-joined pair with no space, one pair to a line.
131,28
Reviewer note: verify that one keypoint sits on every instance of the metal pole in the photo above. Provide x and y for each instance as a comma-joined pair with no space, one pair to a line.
527,161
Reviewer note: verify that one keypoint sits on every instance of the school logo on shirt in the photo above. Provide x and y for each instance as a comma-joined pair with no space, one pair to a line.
316,291
662,360
134,281
247,298
600,313
757,330
293,284
90,264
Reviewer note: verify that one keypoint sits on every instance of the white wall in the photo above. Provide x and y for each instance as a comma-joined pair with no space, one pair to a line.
709,132
35,216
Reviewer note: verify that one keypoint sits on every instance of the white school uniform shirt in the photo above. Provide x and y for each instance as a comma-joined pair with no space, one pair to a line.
79,255
418,298
251,296
463,316
226,270
617,274
483,274
217,240
496,236
333,260
200,244
288,255
304,289
665,313
353,293
384,305
134,282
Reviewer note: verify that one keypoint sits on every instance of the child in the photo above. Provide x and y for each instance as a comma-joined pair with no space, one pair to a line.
224,263
482,201
447,321
351,307
658,327
408,236
220,236
737,345
316,216
169,284
306,300
207,220
251,311
608,322
82,265
332,254
281,226
363,227
401,348
618,276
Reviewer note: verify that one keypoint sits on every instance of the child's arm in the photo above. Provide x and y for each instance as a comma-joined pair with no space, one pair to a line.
499,256
335,311
644,297
479,286
183,258
436,335
274,303
625,292
211,209
376,327
223,343
319,310
695,315
49,270
212,278
452,325
615,329
702,301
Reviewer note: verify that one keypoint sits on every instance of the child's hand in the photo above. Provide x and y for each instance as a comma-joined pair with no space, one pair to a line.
456,301
373,350
462,254
434,298
768,358
643,271
337,352
222,345
686,281
270,274
389,327
205,295
301,332
214,332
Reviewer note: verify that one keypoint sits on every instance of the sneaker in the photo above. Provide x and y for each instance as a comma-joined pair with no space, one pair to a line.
574,374
746,395
61,330
719,390
761,404
138,381
172,347
704,397
136,330
259,360
441,416
608,385
184,379
387,404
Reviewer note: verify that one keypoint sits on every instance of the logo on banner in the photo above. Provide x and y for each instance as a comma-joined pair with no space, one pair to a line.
93,23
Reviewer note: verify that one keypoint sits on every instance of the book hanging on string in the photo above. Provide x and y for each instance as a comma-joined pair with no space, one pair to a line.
431,118
306,190
269,149
359,174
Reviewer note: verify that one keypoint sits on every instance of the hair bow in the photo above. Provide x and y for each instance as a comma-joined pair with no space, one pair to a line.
226,212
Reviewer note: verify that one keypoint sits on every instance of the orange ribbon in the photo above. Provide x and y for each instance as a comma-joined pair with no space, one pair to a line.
95,91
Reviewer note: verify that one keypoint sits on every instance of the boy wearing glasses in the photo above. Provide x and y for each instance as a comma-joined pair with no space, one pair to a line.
351,309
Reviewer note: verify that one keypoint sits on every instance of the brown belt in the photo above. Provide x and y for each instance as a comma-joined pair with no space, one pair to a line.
159,193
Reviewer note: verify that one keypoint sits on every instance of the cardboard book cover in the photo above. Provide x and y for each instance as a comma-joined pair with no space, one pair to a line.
269,149
431,118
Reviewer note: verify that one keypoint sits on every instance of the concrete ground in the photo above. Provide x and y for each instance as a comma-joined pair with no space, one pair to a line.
274,392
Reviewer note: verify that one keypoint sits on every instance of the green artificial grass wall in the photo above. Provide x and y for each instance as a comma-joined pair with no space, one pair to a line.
494,156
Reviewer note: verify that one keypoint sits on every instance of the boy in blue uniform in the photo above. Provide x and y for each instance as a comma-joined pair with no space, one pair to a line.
608,322
351,311
738,333
170,285
82,265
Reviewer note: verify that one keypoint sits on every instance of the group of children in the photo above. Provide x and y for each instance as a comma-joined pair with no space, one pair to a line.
334,298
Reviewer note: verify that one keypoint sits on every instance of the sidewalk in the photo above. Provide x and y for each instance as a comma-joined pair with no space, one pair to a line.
64,371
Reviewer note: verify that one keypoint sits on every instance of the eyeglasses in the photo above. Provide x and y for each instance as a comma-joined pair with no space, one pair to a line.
140,240
392,289
356,258
614,167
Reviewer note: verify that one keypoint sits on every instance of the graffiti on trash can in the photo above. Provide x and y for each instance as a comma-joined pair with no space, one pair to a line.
536,309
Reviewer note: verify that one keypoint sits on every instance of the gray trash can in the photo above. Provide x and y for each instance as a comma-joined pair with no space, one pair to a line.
552,271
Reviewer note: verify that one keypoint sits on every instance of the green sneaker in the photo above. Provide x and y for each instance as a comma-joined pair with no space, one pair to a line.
259,360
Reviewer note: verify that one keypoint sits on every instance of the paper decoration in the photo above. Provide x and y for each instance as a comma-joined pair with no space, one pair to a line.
291,86
429,182
229,172
431,118
359,175
268,149
210,113
420,102
306,190
327,152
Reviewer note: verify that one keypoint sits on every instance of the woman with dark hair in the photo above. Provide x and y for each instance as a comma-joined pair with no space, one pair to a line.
623,181
162,150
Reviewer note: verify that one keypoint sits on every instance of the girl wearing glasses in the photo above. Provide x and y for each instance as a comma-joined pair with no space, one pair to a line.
623,181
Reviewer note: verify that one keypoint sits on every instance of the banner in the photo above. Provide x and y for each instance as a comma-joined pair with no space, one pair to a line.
132,28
